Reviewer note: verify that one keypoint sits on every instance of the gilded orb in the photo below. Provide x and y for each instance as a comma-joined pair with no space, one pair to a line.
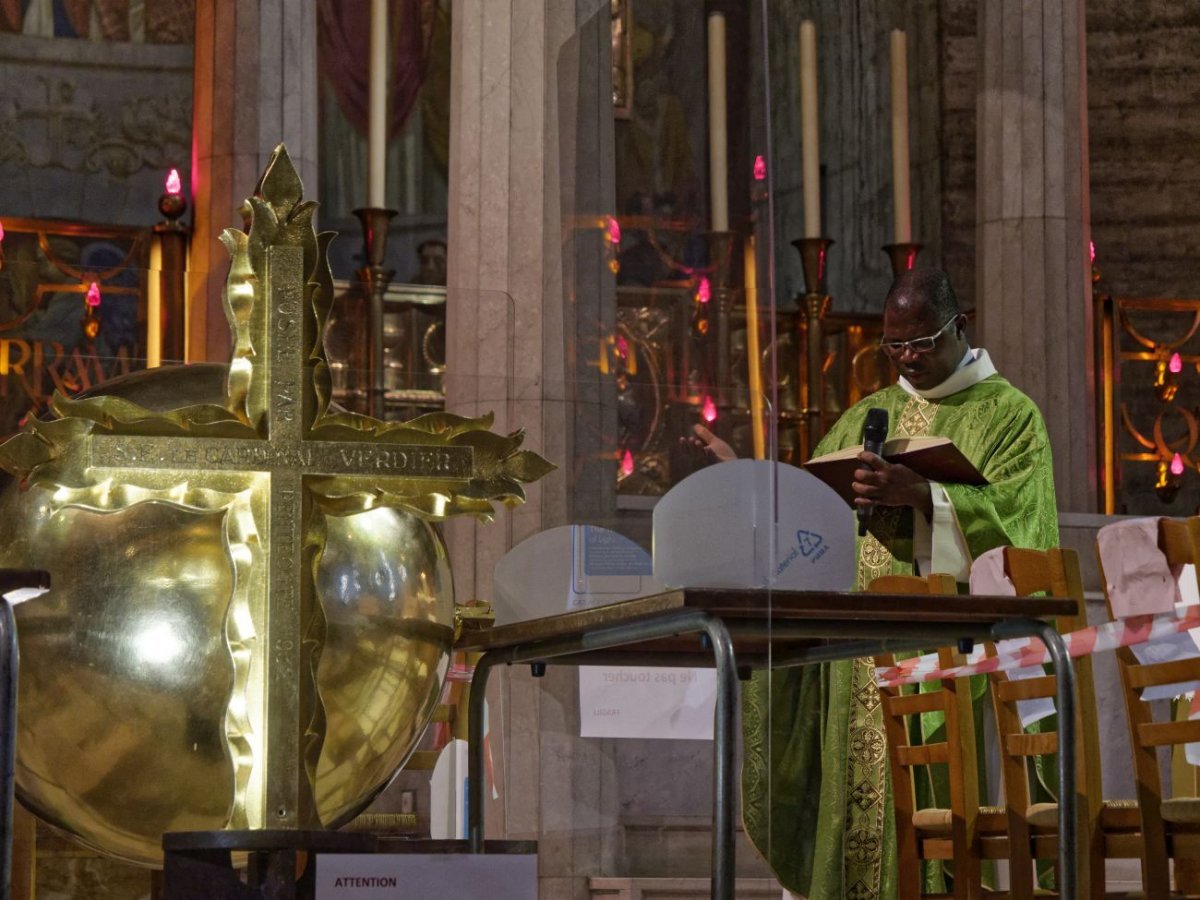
128,671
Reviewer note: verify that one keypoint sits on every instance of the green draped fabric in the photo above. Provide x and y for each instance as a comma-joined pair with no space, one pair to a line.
816,798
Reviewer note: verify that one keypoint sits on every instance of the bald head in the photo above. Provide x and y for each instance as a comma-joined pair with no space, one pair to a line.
924,292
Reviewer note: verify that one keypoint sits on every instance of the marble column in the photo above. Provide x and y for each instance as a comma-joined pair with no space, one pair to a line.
495,321
512,350
1033,288
255,87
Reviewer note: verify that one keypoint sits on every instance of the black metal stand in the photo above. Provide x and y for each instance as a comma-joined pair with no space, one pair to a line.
198,865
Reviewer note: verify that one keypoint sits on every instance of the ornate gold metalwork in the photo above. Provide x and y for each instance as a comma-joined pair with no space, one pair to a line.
275,605
1168,359
1160,447
637,360
48,332
1153,346
1168,364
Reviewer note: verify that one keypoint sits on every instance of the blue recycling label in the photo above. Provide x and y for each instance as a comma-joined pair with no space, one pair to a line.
810,542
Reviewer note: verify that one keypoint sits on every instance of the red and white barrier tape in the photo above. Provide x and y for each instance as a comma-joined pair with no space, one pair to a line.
1023,652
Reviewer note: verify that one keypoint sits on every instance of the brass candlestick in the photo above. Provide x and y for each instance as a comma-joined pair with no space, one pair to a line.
172,238
720,262
903,257
813,256
375,278
720,258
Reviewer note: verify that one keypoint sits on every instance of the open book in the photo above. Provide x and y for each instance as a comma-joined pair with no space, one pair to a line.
935,458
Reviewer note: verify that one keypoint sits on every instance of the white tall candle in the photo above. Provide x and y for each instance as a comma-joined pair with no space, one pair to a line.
377,107
901,191
718,125
810,130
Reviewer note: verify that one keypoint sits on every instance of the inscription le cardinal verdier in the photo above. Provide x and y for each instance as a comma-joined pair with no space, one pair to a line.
275,456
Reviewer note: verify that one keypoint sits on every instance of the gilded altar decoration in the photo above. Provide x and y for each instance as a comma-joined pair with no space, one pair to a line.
1147,353
71,301
252,612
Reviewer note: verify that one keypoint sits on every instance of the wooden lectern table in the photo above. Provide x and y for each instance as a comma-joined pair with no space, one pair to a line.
739,630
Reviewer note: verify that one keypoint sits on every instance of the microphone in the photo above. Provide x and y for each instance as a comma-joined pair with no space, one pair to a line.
874,434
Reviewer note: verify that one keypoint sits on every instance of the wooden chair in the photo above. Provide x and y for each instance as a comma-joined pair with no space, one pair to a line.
929,834
1170,825
1108,829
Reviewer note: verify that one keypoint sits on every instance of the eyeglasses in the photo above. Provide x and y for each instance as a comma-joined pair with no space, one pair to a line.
916,345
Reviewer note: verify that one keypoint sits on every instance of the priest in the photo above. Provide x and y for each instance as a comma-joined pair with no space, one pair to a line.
816,801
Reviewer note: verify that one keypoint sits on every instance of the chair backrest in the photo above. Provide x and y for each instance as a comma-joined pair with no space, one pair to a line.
902,709
1052,572
1056,573
1179,540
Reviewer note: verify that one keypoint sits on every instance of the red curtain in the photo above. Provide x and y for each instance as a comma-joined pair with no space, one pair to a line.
343,28
11,16
78,13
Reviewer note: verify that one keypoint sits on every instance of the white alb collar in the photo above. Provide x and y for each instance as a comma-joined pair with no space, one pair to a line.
973,368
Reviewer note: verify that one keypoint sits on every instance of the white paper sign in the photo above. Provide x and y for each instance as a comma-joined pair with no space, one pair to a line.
647,702
1184,645
1167,649
1030,711
448,792
426,876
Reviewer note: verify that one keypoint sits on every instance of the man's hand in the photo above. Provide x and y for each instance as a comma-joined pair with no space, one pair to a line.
715,448
879,482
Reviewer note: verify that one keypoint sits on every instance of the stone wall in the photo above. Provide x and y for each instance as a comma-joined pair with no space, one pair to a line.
89,130
958,58
1144,119
1144,127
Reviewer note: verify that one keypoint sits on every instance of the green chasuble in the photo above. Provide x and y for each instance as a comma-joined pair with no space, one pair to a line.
816,798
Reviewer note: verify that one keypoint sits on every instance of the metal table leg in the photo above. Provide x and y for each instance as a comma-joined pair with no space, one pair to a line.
725,718
724,740
1068,822
479,681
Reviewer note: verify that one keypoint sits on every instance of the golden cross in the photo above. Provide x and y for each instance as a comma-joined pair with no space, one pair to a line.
270,456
